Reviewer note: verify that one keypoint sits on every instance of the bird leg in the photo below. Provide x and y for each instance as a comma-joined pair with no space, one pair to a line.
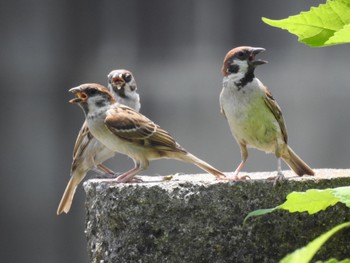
127,177
280,176
244,156
103,171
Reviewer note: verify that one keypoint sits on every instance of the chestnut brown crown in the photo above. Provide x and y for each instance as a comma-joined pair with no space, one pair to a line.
88,90
242,53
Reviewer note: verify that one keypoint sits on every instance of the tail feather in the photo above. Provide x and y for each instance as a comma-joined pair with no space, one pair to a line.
190,158
297,164
68,195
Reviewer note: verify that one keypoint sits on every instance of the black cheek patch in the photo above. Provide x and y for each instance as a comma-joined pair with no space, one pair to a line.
233,68
100,103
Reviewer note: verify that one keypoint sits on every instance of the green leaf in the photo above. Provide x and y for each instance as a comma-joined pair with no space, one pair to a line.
340,37
311,201
305,254
333,260
259,212
327,24
343,193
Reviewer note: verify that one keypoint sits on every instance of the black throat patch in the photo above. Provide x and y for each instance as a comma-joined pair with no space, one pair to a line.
248,77
121,92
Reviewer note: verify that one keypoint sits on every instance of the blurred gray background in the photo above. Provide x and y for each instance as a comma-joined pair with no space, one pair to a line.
175,50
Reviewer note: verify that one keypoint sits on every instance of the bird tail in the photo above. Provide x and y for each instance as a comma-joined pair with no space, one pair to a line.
67,198
297,164
190,158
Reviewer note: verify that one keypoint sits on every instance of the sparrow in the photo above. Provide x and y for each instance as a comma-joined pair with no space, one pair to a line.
126,131
89,153
254,117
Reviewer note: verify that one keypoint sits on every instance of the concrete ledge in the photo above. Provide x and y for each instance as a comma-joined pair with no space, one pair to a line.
193,218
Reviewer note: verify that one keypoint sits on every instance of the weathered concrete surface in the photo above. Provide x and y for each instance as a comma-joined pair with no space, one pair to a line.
197,219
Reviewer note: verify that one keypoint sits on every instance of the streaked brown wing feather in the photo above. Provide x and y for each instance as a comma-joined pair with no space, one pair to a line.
83,139
130,125
276,111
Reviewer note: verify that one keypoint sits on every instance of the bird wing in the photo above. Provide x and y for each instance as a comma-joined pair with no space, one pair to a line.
83,139
276,111
132,126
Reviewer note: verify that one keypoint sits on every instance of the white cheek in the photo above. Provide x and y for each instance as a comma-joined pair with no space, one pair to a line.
92,104
232,78
243,66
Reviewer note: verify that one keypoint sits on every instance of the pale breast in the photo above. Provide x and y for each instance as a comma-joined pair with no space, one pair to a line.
250,120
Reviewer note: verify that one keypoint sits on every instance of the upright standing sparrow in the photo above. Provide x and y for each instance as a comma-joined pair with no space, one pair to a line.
89,153
126,131
252,113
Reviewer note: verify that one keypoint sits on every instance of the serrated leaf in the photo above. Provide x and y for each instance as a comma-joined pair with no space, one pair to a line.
305,254
311,201
324,25
340,37
259,212
343,193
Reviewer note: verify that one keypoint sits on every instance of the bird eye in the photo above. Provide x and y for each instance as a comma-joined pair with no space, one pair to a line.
127,77
92,91
241,55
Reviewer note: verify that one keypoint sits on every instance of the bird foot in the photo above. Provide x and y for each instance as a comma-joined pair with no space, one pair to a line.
134,180
242,178
235,178
277,179
131,180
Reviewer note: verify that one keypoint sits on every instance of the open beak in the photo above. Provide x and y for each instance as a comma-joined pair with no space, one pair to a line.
118,82
256,62
80,96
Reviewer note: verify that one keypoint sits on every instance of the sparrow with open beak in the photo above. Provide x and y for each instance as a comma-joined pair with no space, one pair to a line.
254,117
89,153
126,131
122,86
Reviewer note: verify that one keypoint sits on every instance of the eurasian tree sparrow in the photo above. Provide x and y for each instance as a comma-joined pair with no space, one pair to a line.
89,153
254,117
122,86
126,131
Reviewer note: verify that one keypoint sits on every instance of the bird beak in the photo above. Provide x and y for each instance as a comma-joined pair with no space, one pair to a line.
118,82
80,96
256,62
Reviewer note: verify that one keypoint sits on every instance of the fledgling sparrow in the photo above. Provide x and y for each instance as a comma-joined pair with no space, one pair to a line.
89,153
254,117
126,131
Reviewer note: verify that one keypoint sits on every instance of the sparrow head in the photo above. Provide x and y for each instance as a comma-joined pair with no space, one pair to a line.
91,96
242,60
121,82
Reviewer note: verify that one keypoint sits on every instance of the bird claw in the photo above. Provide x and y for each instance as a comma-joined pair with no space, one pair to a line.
277,179
242,178
235,178
134,180
131,180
